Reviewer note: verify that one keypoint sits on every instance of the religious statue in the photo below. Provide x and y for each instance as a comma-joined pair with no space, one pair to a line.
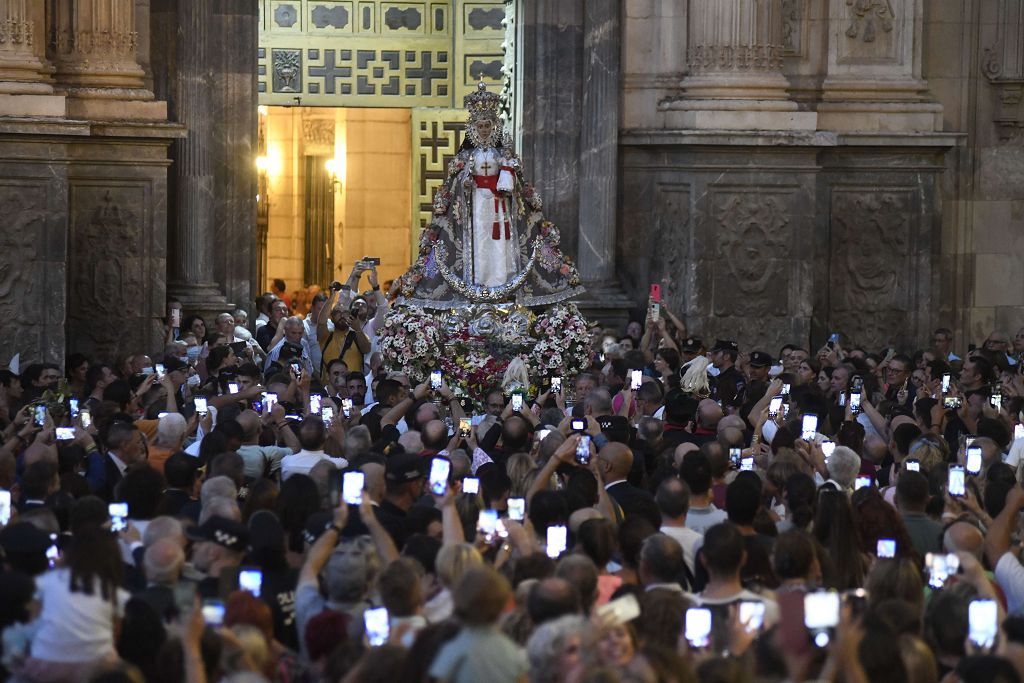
488,241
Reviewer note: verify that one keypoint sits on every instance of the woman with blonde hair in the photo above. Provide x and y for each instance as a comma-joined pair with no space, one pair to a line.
452,562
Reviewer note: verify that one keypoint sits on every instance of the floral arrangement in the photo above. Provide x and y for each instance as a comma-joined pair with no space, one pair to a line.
557,342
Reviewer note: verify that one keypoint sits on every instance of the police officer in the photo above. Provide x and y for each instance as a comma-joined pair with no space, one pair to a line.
730,384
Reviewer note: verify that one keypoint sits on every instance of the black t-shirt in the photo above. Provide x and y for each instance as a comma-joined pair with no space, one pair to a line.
729,387
395,521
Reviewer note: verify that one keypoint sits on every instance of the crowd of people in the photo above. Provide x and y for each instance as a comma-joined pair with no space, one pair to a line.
269,503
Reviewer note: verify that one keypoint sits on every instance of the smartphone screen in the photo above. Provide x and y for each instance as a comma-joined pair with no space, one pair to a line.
213,612
752,615
118,515
160,371
53,552
785,389
583,450
315,404
775,406
747,465
73,405
912,465
435,380
809,427
886,548
735,454
635,379
698,627
517,509
86,417
517,402
65,433
487,524
855,402
821,610
471,485
955,483
439,469
40,415
556,385
945,382
232,387
861,482
352,487
828,448
346,407
201,405
327,414
5,507
974,460
997,402
1018,431
251,579
465,426
269,401
557,540
579,425
983,623
376,625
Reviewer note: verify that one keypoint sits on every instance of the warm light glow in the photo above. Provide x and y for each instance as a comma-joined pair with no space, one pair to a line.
262,109
262,164
334,167
270,163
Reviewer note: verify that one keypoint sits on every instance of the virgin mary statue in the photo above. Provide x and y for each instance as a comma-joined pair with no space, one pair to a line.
488,241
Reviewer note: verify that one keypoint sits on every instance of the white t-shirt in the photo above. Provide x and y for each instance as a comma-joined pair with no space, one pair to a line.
303,461
688,538
74,627
771,608
1010,577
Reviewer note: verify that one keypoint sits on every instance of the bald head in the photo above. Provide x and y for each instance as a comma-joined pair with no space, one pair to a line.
708,414
163,561
963,537
249,421
731,422
552,598
435,435
617,459
374,480
681,450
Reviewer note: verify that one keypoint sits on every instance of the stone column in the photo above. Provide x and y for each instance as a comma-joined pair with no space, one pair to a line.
92,44
734,70
599,141
192,240
26,88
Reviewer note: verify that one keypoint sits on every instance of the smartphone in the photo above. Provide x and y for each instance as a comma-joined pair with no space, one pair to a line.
315,404
809,427
250,579
73,406
583,450
542,434
40,415
735,454
974,460
619,611
557,540
269,401
147,371
912,465
955,482
855,402
833,339
118,516
213,612
945,382
471,485
346,407
886,548
439,470
821,611
5,507
747,464
465,427
1018,431
785,389
352,487
517,403
65,433
327,414
656,293
940,567
983,623
752,615
997,401
175,317
487,524
828,448
775,406
232,387
697,628
297,369
257,406
951,402
201,405
375,622
578,425
160,371
635,379
435,380
861,482
86,418
517,509
556,385
53,552
858,382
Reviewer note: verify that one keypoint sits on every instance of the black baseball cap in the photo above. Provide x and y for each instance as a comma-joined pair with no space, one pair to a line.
725,345
225,532
760,359
403,467
692,345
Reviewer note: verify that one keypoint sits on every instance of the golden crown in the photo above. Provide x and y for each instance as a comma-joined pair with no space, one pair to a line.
482,104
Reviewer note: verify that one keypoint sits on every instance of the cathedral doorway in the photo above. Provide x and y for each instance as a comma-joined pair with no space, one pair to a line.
360,110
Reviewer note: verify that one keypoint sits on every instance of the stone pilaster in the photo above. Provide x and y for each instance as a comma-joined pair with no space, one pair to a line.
734,65
26,88
192,239
874,81
92,44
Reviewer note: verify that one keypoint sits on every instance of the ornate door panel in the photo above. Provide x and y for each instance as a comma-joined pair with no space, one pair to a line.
436,136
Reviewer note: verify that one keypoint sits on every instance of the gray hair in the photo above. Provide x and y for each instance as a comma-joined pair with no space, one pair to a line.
357,442
163,527
411,441
292,321
599,402
170,430
217,487
546,645
163,561
220,507
843,466
351,570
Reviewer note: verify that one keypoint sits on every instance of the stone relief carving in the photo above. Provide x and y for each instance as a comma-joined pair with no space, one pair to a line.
21,235
672,204
736,58
318,132
869,270
287,70
753,237
867,17
1002,66
285,16
792,27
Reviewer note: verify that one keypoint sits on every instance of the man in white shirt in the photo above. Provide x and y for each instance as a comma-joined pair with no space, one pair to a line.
695,471
1000,553
723,555
312,437
673,499
309,324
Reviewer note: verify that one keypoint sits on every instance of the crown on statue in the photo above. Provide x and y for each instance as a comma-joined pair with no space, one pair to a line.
482,104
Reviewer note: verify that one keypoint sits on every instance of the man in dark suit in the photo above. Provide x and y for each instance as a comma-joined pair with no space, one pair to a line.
126,446
181,471
615,461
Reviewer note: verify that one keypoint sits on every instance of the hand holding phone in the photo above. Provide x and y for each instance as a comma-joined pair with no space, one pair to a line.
697,627
517,509
583,450
352,484
439,470
556,541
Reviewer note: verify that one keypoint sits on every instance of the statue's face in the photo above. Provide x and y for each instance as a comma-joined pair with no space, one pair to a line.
484,129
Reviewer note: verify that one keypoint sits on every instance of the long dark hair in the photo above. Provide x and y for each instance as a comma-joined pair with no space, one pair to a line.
94,559
835,529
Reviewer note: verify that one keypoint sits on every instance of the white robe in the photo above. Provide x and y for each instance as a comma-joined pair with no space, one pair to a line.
494,261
